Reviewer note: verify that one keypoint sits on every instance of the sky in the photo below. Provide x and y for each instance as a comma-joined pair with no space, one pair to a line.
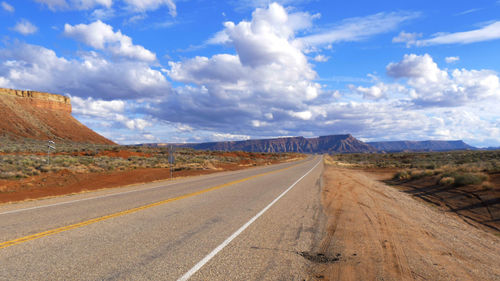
141,71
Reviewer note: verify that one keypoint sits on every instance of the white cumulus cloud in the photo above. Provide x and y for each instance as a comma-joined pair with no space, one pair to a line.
432,86
28,66
150,5
267,77
25,27
451,59
406,37
108,111
101,36
321,58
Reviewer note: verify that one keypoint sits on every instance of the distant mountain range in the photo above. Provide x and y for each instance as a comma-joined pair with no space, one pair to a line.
430,145
326,144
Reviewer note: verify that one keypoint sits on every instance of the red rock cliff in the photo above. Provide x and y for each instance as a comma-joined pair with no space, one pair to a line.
43,116
40,99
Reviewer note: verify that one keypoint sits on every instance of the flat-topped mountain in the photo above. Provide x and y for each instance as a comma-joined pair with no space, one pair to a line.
430,145
42,116
324,144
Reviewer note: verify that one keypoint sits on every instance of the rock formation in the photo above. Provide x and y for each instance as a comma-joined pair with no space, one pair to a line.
324,144
42,116
430,145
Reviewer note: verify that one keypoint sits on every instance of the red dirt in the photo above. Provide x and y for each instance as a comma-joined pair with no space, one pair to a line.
475,204
375,232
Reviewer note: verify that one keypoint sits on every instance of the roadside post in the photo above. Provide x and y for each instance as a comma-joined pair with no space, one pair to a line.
50,145
171,159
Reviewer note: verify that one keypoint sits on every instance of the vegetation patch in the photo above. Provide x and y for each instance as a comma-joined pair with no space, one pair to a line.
23,159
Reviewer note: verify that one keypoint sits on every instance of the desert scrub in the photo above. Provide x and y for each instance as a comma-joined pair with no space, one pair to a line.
447,181
464,178
485,161
413,174
84,158
402,176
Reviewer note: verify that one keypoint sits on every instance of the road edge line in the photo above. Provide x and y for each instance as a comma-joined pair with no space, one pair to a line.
226,242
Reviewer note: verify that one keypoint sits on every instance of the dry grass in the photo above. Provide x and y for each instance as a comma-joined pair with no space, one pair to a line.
456,168
29,158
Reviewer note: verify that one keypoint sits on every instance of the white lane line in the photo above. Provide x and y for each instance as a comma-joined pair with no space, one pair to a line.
92,198
214,252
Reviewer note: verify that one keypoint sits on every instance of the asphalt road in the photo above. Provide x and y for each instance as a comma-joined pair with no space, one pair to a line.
254,224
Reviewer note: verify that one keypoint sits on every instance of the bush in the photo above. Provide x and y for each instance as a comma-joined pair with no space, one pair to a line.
403,175
487,185
467,179
446,181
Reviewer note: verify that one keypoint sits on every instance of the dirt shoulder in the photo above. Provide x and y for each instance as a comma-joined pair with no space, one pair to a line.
376,232
474,204
65,182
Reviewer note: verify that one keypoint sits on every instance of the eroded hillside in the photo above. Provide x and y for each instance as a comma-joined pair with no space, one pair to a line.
42,116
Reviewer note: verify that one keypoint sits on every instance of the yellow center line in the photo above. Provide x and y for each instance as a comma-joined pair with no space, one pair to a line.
129,211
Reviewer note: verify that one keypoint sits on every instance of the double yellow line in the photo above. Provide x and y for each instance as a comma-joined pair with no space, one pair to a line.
129,211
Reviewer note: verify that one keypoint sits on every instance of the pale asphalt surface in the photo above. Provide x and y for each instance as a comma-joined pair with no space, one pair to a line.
164,242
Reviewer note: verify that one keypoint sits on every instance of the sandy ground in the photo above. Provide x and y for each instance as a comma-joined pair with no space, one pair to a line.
376,232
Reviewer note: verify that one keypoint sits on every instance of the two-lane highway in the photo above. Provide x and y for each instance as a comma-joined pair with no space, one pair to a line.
244,225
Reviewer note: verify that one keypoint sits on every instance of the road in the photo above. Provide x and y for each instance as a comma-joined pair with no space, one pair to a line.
254,224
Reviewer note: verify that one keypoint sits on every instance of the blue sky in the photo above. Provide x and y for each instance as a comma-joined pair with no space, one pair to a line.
202,70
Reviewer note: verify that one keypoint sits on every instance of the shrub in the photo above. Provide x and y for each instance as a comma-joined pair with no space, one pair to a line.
403,175
414,175
446,181
487,185
467,179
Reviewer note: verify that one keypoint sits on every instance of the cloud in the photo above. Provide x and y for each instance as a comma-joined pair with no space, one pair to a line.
486,33
451,59
359,28
151,5
101,36
408,38
321,58
252,4
470,11
7,7
28,66
432,86
108,111
268,76
304,115
228,137
102,14
55,5
267,87
25,27
378,91
263,85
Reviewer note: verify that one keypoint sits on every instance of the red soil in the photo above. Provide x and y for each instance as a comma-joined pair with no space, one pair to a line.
474,204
